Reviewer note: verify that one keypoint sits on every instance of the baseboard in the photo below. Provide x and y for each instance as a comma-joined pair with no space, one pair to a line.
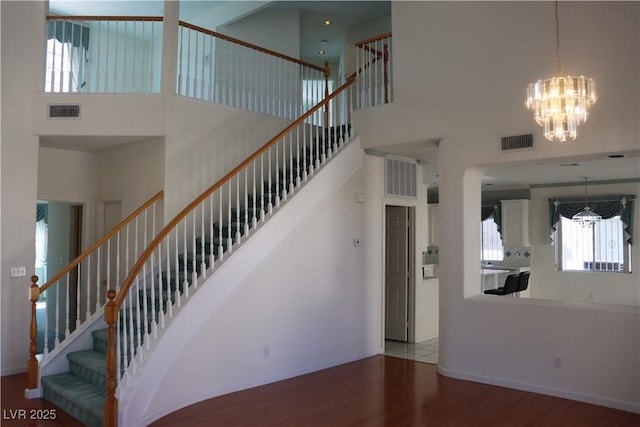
550,391
13,371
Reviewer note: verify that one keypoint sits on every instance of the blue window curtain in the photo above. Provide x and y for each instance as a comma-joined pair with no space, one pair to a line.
605,206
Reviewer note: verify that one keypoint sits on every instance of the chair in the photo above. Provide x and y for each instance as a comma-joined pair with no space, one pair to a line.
510,286
523,281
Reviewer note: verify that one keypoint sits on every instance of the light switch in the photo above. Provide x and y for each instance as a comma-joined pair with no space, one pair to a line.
18,271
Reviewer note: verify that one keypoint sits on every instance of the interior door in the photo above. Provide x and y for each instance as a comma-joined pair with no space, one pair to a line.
396,273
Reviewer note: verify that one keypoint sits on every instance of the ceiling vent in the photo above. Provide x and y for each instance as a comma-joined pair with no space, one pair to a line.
516,142
64,111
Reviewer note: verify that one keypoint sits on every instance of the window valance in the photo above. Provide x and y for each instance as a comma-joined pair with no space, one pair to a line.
605,206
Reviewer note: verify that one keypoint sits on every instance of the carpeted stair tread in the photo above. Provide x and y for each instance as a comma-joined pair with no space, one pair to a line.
79,398
90,365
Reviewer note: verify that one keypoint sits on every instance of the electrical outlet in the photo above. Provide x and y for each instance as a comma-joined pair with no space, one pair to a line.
18,271
266,352
557,362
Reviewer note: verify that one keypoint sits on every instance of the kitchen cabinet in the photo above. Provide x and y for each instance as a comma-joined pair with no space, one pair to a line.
515,222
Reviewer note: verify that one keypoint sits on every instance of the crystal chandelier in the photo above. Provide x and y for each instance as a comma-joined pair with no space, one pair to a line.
561,103
587,217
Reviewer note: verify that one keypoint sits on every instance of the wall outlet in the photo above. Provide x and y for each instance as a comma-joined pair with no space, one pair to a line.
18,271
266,352
557,362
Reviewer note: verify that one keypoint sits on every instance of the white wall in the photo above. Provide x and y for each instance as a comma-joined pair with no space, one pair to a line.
20,75
258,29
312,308
547,283
132,174
467,92
204,142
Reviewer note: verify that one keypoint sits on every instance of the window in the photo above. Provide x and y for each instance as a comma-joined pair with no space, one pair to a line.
492,249
601,247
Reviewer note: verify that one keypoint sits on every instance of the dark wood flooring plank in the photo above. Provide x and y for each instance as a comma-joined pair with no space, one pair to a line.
377,391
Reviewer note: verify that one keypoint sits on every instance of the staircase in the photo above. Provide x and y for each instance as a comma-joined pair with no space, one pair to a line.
82,390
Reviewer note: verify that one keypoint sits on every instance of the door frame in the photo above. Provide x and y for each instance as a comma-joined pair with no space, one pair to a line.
411,255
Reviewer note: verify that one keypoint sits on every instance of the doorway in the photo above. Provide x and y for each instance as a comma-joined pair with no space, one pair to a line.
398,281
59,236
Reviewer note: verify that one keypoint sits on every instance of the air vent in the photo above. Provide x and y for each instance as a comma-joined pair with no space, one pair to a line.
66,111
400,177
517,142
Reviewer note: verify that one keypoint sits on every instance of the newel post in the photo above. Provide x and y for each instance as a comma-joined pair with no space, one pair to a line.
327,73
111,404
32,363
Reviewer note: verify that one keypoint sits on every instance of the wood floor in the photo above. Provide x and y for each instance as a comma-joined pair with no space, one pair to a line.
377,391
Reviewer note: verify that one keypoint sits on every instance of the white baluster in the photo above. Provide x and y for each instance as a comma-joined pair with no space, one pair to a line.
67,314
220,248
180,56
211,234
99,285
47,307
203,235
185,283
154,312
89,283
246,204
236,220
254,220
229,238
78,295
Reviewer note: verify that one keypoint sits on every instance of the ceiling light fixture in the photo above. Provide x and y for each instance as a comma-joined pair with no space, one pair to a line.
561,103
321,52
327,22
587,217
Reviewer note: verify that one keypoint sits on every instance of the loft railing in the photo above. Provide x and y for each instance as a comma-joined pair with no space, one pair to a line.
217,68
76,295
103,54
208,230
374,73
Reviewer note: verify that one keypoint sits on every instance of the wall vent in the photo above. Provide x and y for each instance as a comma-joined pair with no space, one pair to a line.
516,142
400,177
64,111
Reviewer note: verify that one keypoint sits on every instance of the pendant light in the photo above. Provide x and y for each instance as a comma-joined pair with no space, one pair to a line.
587,217
561,103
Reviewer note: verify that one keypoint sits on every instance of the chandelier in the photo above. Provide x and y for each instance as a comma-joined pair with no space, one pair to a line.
561,103
587,217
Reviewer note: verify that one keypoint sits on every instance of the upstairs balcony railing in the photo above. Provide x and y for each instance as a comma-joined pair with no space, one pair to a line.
103,54
374,83
221,69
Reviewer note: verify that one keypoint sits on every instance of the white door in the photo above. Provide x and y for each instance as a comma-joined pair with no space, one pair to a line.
396,273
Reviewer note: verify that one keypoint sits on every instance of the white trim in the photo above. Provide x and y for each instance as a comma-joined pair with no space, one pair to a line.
550,391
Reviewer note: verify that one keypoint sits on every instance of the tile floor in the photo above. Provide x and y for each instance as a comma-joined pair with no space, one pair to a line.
425,351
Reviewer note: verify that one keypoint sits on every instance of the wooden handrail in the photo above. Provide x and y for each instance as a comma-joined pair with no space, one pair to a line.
373,39
250,45
104,18
100,241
